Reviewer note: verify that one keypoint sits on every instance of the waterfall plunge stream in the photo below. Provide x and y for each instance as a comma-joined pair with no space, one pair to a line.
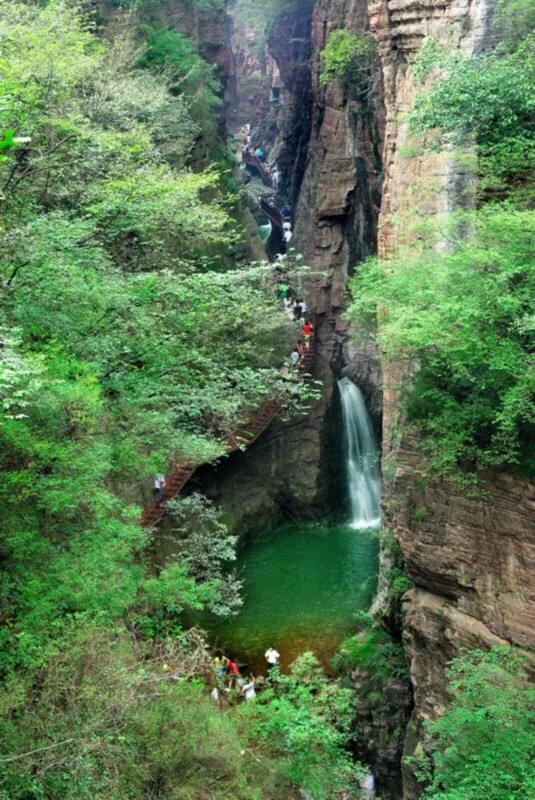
362,458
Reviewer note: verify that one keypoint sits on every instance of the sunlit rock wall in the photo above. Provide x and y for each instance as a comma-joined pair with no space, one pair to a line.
470,558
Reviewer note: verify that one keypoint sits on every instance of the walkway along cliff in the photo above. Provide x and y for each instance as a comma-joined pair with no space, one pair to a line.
244,437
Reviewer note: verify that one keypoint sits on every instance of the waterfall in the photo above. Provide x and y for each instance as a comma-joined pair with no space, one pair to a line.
363,474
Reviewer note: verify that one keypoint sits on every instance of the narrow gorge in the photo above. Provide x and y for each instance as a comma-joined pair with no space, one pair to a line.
347,167
267,400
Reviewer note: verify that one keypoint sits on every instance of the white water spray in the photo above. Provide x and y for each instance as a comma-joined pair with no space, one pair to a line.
362,458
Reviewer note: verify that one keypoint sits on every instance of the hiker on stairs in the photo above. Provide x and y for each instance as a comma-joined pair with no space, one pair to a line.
287,232
307,333
158,487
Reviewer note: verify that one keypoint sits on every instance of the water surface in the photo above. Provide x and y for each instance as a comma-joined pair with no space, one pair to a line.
302,586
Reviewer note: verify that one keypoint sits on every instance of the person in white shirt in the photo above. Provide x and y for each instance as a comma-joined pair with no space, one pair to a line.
272,657
249,690
368,784
158,487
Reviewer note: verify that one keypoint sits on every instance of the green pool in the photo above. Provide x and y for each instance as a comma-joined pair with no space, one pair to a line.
302,586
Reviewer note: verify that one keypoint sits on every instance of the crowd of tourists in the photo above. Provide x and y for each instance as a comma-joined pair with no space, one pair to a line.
230,686
230,683
296,310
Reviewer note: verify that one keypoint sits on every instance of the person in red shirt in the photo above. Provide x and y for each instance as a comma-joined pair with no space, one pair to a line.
233,672
232,667
307,333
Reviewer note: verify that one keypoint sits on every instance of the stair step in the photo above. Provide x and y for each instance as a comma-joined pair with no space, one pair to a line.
181,474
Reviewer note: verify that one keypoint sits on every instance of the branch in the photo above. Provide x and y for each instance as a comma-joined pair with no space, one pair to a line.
37,750
19,266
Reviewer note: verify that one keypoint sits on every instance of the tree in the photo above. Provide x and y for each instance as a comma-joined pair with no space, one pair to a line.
463,318
486,99
348,56
207,547
484,744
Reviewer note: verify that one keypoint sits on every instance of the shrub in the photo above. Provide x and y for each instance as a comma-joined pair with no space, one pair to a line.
484,744
347,56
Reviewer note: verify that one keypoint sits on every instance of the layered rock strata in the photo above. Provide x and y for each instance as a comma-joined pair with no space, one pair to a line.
356,180
471,558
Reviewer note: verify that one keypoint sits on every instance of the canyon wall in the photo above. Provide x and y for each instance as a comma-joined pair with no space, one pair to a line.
354,180
471,558
356,184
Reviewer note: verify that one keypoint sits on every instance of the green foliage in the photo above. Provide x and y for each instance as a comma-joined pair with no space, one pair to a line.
514,20
346,56
203,542
123,350
190,76
464,318
106,722
484,744
487,99
372,651
304,720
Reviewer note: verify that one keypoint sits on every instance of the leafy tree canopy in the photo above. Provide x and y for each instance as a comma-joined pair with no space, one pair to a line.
487,99
464,317
346,56
484,744
126,344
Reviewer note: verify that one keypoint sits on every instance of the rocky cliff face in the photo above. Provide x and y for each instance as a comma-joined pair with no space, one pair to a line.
363,181
280,477
338,209
354,179
469,558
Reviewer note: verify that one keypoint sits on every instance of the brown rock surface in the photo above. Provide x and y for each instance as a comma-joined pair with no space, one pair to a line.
479,552
472,559
340,196
280,476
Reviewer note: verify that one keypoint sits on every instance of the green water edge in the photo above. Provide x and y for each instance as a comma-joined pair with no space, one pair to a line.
303,585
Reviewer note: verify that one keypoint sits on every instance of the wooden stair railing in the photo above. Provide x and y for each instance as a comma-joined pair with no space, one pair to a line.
253,161
181,475
243,437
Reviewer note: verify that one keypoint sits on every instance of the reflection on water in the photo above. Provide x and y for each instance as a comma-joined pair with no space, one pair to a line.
302,587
